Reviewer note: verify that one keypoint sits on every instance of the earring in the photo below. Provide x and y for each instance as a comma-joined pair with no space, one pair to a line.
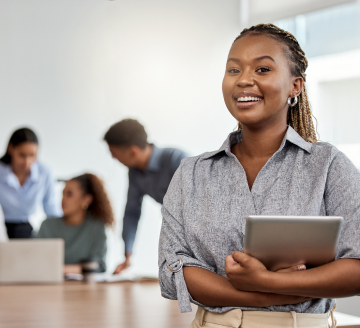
84,206
294,103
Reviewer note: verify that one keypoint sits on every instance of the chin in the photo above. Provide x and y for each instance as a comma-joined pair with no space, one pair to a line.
250,121
248,116
65,212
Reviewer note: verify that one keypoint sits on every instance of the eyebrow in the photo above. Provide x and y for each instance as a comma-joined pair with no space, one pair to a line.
233,59
264,57
256,59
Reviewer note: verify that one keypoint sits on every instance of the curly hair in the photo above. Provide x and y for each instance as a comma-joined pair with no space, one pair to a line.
100,208
299,116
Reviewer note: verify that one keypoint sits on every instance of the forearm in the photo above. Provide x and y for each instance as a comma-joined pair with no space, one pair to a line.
337,279
211,289
130,224
72,268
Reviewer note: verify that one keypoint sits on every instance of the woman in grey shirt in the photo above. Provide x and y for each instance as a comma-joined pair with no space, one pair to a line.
87,211
273,165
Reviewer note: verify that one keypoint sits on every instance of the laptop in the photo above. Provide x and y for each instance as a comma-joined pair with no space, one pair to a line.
31,261
280,242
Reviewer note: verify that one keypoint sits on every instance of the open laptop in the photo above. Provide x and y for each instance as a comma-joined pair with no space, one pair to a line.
32,261
280,242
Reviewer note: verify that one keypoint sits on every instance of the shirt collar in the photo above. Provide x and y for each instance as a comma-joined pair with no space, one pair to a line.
235,137
154,161
293,137
5,171
8,175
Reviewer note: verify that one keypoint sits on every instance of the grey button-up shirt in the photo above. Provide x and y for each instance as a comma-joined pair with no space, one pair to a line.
205,209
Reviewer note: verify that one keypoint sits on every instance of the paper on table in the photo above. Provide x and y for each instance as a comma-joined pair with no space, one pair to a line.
124,276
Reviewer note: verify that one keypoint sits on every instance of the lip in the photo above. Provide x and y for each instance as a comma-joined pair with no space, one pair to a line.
246,94
247,105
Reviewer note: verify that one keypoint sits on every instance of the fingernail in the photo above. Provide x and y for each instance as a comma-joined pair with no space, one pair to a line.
301,267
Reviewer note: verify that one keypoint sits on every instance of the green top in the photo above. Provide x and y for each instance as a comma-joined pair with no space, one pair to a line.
82,242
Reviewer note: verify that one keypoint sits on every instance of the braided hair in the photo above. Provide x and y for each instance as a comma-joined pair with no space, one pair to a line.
299,117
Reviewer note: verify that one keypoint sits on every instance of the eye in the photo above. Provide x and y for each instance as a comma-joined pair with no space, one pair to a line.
263,70
233,70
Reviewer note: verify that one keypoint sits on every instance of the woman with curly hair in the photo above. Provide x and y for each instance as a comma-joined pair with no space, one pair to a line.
87,211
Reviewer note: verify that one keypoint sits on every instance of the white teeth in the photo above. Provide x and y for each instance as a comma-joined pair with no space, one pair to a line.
243,99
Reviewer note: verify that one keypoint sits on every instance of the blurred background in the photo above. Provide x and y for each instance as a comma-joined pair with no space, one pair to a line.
70,69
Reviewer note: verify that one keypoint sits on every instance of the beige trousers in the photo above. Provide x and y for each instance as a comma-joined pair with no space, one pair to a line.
261,319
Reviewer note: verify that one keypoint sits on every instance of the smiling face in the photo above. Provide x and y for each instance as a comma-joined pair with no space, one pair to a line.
258,82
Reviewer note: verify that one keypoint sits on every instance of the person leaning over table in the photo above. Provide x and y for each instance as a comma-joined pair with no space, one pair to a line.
272,165
87,211
150,172
25,184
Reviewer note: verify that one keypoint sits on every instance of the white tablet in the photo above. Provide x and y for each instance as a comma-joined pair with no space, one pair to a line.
280,242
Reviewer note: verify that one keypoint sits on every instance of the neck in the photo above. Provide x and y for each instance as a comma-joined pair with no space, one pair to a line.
21,175
76,218
263,142
145,158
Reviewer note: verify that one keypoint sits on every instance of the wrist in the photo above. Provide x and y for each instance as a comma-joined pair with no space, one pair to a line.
266,282
264,299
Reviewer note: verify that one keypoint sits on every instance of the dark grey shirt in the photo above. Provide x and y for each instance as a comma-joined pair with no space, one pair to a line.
82,242
154,181
205,208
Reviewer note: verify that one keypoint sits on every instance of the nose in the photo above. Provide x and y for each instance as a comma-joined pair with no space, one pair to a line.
28,162
245,79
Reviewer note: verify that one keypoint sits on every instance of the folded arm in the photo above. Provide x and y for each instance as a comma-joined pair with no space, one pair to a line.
211,289
339,278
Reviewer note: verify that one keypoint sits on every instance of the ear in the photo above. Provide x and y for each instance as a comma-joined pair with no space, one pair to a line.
88,199
297,86
134,151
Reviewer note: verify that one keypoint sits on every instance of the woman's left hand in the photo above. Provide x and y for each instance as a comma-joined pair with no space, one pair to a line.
245,272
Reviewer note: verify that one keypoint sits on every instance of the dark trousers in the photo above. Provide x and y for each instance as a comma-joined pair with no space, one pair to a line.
19,230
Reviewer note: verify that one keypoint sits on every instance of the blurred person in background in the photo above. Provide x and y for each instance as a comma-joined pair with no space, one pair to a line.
25,184
87,211
3,234
150,172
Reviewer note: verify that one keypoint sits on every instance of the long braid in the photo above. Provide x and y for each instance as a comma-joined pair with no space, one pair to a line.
299,116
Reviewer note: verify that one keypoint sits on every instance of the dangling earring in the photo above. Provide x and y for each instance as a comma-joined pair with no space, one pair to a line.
84,206
294,103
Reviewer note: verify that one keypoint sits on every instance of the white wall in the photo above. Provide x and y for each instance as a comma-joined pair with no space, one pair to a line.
333,85
69,69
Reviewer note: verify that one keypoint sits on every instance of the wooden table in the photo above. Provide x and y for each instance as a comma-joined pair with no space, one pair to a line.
78,305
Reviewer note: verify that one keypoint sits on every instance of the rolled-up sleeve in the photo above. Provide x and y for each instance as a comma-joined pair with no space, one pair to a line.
174,251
